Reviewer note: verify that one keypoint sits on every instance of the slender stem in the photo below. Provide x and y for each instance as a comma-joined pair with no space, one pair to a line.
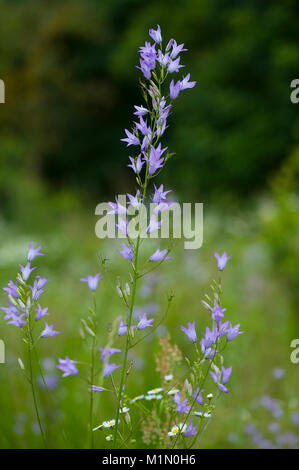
91,394
92,367
135,277
34,395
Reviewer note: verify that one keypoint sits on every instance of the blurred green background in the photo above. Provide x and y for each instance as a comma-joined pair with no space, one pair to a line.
71,83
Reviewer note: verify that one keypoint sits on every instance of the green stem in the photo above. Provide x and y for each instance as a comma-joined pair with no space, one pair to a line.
92,367
34,395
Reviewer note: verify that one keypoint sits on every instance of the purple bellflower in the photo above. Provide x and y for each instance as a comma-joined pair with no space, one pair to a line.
181,405
36,291
68,366
174,89
92,281
185,84
222,260
106,352
217,312
26,271
17,320
190,331
160,194
41,312
198,395
11,290
191,430
33,252
131,138
144,322
160,255
233,332
109,369
156,35
136,164
127,251
48,331
140,111
122,329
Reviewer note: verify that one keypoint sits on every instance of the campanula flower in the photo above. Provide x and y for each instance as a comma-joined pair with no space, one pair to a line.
144,322
127,251
184,84
174,65
181,405
154,224
160,255
33,252
140,110
41,312
198,395
68,366
222,260
191,430
142,126
122,329
160,194
26,271
41,282
123,225
10,311
131,138
163,59
136,164
11,290
226,373
217,312
109,369
233,331
117,208
156,34
92,281
17,320
36,291
176,49
155,158
106,352
174,89
135,201
190,331
48,331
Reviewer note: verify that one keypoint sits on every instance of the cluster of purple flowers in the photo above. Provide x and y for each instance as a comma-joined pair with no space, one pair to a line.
155,65
210,338
22,297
